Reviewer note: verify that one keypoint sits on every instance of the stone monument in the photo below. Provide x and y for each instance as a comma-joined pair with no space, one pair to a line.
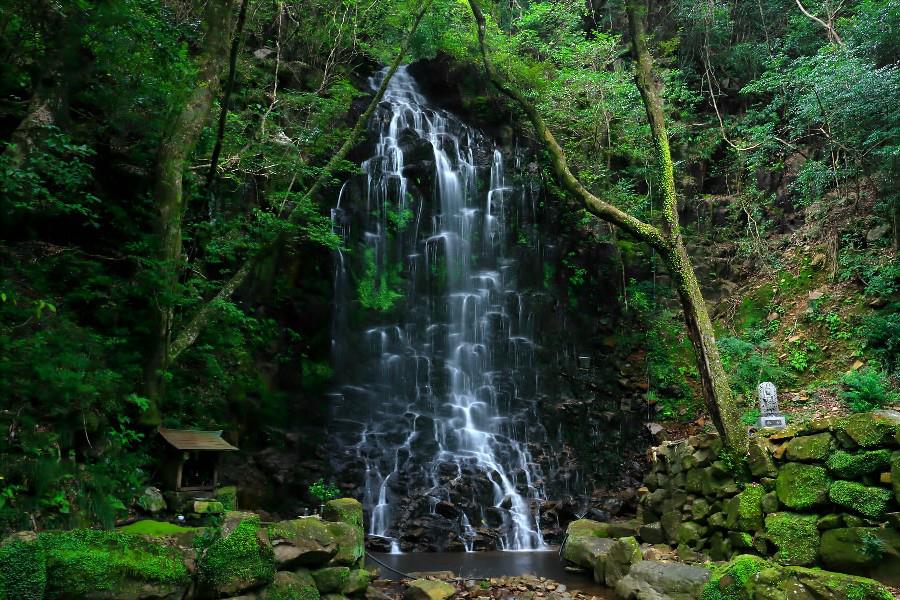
769,415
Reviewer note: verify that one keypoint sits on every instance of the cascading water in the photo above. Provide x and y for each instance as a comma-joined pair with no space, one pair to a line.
439,408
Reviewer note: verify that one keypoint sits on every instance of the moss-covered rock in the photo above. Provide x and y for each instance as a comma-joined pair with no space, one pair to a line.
832,521
732,580
895,473
866,500
744,511
796,536
23,568
624,552
853,549
847,465
305,542
344,510
356,583
291,586
208,507
87,563
241,559
661,580
429,589
350,544
770,503
331,579
585,540
870,430
760,460
839,586
807,448
691,533
801,486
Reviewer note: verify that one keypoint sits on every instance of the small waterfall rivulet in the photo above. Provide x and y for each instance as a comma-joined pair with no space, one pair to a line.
437,415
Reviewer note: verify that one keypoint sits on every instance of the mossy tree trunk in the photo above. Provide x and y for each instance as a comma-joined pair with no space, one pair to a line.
176,146
666,240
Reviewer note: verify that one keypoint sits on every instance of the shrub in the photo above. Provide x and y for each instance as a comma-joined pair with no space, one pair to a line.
866,389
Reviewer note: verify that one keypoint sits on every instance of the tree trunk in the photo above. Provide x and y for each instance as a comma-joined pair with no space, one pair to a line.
717,394
174,150
667,241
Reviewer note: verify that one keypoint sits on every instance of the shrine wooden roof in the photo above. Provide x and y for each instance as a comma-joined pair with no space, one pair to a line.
188,439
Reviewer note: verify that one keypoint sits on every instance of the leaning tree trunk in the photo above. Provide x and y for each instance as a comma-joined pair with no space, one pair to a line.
168,194
667,241
717,394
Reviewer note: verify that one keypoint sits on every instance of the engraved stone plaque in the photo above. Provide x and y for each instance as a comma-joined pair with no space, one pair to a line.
769,415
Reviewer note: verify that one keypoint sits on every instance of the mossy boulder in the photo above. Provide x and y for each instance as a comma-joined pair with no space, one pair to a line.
806,448
93,564
801,486
670,522
23,567
585,540
344,510
744,511
865,500
861,549
796,536
331,579
691,533
760,460
622,555
291,586
839,586
429,589
350,541
732,580
895,473
208,507
661,581
869,430
305,542
356,583
240,559
847,465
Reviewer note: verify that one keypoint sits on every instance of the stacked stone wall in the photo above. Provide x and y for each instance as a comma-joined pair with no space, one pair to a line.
824,493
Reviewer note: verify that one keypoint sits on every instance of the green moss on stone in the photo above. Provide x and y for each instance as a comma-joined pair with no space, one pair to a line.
850,466
156,528
840,586
291,586
357,582
744,511
809,447
802,486
344,510
731,581
81,561
796,536
331,579
240,559
869,430
350,540
23,568
866,500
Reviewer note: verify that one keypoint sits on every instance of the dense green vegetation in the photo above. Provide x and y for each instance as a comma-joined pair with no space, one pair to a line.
784,132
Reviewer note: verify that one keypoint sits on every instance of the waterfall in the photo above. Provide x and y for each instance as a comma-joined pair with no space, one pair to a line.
438,409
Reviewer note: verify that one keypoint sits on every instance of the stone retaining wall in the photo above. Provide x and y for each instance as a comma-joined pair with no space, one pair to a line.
824,493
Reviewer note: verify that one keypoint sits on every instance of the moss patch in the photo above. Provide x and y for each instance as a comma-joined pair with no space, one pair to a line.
23,568
156,528
850,466
86,560
744,511
809,447
344,510
869,430
797,537
802,486
731,580
350,541
840,586
239,560
291,586
866,500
